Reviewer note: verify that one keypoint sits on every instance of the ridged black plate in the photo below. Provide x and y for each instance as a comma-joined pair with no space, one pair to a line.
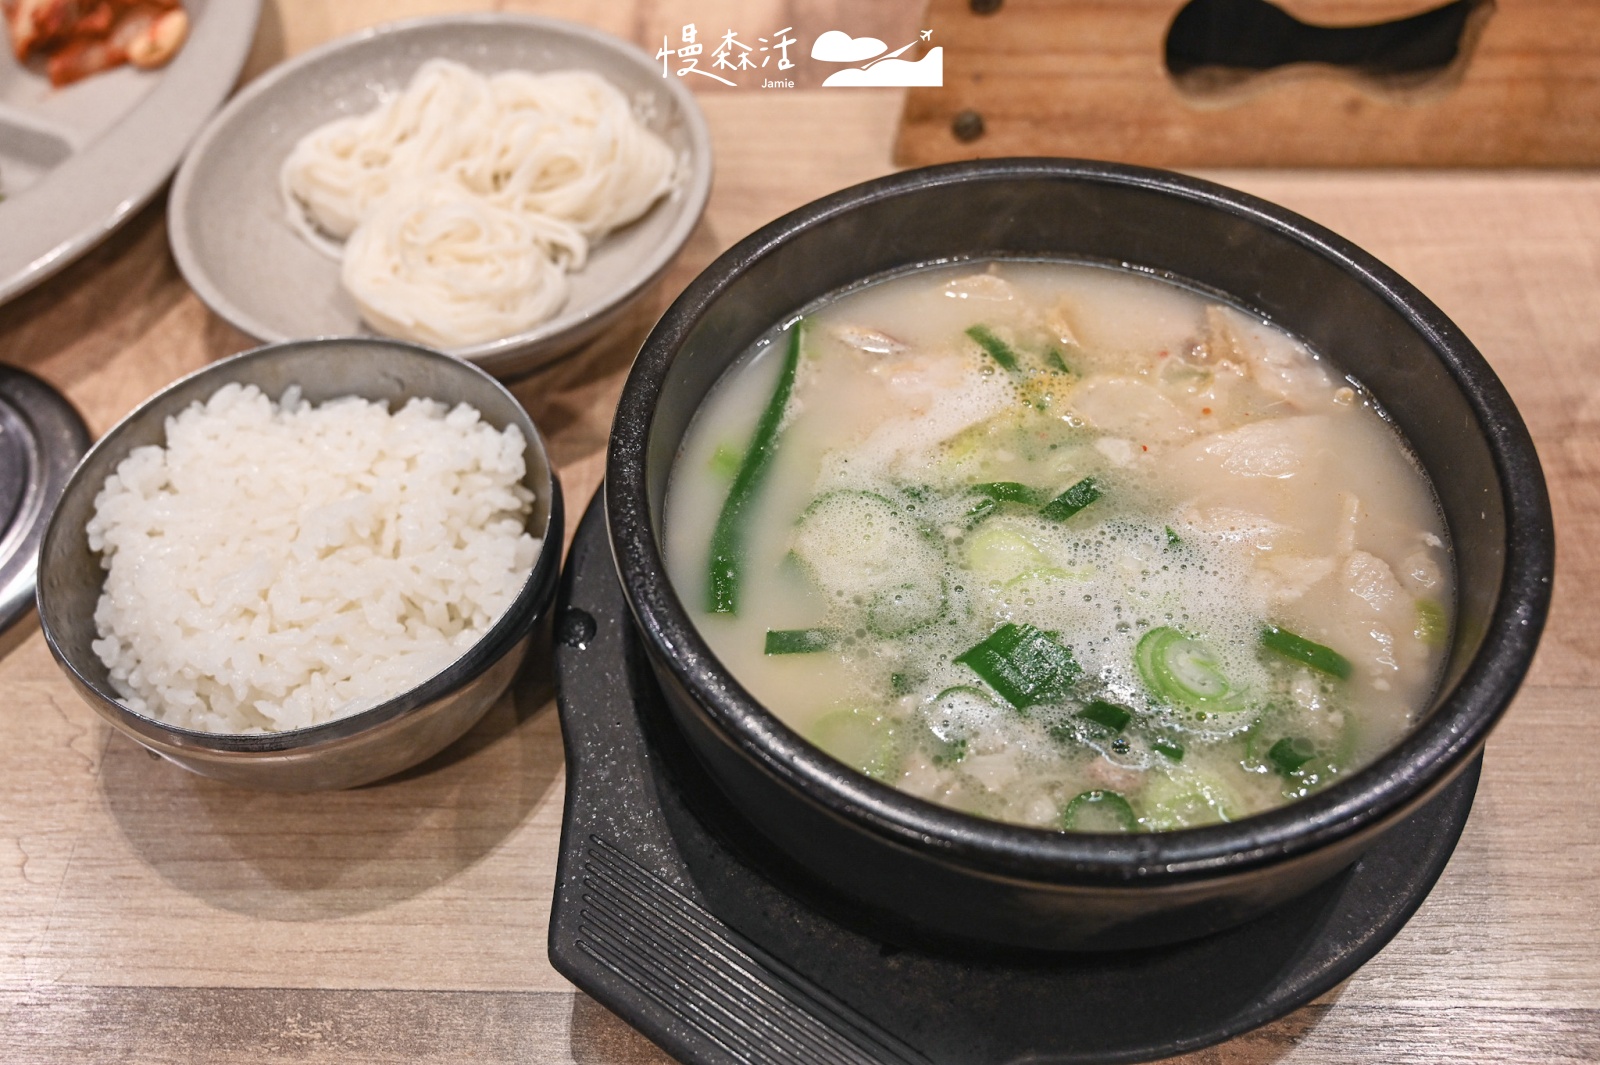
673,914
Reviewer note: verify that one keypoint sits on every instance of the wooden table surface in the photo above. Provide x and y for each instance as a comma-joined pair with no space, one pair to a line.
153,916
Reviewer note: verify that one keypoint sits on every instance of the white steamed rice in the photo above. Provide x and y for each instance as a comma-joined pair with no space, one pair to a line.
279,565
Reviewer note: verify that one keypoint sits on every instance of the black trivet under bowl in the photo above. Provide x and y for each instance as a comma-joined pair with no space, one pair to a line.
677,917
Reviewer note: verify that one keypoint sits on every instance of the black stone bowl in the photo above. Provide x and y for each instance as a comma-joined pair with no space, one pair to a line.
931,873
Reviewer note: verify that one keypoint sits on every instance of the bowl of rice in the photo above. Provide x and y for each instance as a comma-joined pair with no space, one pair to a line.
308,566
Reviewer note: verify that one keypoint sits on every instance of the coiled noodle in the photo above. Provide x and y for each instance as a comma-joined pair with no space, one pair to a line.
463,201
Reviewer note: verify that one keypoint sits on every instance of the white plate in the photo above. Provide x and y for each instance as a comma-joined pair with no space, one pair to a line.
230,231
75,162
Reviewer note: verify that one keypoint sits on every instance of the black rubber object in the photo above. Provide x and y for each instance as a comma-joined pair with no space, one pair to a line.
672,913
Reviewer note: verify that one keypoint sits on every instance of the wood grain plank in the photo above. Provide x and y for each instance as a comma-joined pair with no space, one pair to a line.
1089,79
280,1026
147,915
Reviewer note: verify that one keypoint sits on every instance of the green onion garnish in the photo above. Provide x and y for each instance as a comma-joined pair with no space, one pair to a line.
1009,492
1182,672
1099,811
1072,500
1300,649
1167,748
978,511
998,349
726,460
1107,715
726,565
1289,754
798,641
1023,664
1432,626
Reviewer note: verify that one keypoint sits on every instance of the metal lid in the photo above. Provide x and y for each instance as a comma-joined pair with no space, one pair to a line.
41,440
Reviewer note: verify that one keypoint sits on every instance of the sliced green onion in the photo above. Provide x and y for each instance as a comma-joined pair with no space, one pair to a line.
1186,800
978,511
798,641
1053,359
1072,500
1173,539
998,349
725,461
951,716
1010,492
862,739
1432,626
1290,753
1099,811
1300,649
1107,715
1167,748
1023,664
1182,672
727,538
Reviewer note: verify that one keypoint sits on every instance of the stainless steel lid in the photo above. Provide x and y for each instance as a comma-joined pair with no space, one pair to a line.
41,440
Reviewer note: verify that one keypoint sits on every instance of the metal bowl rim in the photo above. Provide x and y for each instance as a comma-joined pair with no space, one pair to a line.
501,637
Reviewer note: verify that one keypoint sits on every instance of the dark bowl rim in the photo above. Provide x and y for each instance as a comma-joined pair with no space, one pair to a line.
1423,761
530,601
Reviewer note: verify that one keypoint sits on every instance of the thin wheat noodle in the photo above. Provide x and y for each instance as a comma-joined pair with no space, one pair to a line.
463,200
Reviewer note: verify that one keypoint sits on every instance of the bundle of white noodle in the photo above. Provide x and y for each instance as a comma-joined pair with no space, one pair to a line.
463,200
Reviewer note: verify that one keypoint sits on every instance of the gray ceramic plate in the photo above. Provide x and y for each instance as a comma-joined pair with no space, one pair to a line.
75,162
234,243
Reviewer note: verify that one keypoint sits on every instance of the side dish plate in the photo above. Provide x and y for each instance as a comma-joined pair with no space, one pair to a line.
235,245
76,162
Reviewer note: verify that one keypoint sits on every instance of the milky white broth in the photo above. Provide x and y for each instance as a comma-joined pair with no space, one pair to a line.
922,505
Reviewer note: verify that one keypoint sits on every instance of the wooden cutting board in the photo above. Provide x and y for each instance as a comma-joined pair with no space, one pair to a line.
1478,83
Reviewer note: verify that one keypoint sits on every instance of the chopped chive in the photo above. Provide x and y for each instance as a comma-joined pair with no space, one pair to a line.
1072,500
1099,811
1173,539
1023,664
726,564
1300,649
1108,715
998,349
798,641
1009,492
1289,754
1053,359
1167,748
